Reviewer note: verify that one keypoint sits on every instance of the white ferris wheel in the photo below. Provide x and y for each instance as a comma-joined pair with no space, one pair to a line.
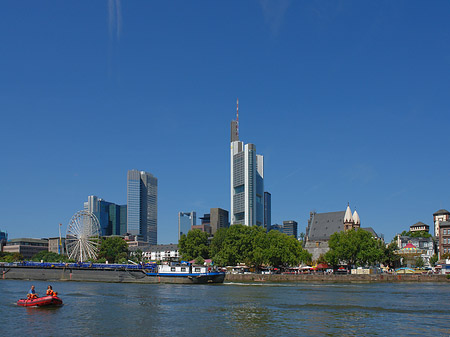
83,236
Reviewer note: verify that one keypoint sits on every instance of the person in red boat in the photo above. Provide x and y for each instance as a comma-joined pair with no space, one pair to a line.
50,291
32,294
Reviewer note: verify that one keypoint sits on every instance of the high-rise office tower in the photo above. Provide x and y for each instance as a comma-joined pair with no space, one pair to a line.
118,219
267,210
142,197
185,221
218,219
110,216
290,228
247,181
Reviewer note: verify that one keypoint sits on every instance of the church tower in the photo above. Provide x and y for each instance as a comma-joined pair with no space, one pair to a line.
348,219
356,220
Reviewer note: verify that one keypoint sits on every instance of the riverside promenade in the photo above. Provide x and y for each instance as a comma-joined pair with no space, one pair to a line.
332,278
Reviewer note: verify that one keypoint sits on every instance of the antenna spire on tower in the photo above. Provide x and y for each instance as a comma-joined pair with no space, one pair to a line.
237,116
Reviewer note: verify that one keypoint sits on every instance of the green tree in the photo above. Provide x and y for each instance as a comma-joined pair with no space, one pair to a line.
237,246
390,259
433,260
114,250
254,247
259,242
419,262
419,234
302,238
11,257
193,245
217,242
284,250
354,247
199,260
47,256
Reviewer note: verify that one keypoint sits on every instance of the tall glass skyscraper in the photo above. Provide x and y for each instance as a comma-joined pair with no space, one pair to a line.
109,215
247,182
142,197
267,210
185,221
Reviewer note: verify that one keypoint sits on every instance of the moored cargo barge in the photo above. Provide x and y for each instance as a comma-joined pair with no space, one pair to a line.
180,273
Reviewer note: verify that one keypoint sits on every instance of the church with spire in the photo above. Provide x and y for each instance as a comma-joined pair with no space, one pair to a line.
351,221
322,225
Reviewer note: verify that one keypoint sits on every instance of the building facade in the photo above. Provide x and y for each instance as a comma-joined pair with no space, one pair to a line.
322,225
112,218
438,217
426,244
444,238
218,219
26,246
247,182
419,227
276,227
205,224
167,252
57,245
267,210
142,197
185,221
290,227
3,239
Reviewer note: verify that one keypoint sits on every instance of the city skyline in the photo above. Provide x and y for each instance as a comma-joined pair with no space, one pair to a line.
346,100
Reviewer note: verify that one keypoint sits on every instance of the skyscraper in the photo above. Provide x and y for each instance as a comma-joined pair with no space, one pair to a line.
247,181
290,228
218,219
267,210
185,221
111,217
142,196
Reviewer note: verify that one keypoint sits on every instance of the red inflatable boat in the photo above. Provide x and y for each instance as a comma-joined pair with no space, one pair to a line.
40,301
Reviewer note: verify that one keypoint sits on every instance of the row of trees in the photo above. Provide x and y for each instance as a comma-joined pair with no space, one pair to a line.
243,244
359,248
10,257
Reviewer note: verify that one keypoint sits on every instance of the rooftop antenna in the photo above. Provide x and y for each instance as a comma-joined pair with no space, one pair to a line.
60,241
237,117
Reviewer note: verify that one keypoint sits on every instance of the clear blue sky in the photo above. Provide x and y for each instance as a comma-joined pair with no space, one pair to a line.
348,101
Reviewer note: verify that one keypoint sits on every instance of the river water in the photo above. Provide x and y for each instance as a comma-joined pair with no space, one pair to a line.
230,309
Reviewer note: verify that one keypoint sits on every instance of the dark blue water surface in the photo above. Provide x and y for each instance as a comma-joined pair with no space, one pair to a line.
263,309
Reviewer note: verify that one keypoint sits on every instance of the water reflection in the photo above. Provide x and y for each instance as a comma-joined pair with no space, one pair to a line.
233,309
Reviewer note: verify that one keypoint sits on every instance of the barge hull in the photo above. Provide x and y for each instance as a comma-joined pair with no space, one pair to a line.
99,275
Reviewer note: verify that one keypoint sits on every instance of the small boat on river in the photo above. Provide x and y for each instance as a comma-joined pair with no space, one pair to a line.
40,301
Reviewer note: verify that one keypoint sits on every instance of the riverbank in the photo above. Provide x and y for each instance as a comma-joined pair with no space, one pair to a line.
111,275
137,276
332,278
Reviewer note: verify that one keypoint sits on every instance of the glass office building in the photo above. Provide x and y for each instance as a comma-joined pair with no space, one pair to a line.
267,210
142,198
118,219
185,221
108,215
247,182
